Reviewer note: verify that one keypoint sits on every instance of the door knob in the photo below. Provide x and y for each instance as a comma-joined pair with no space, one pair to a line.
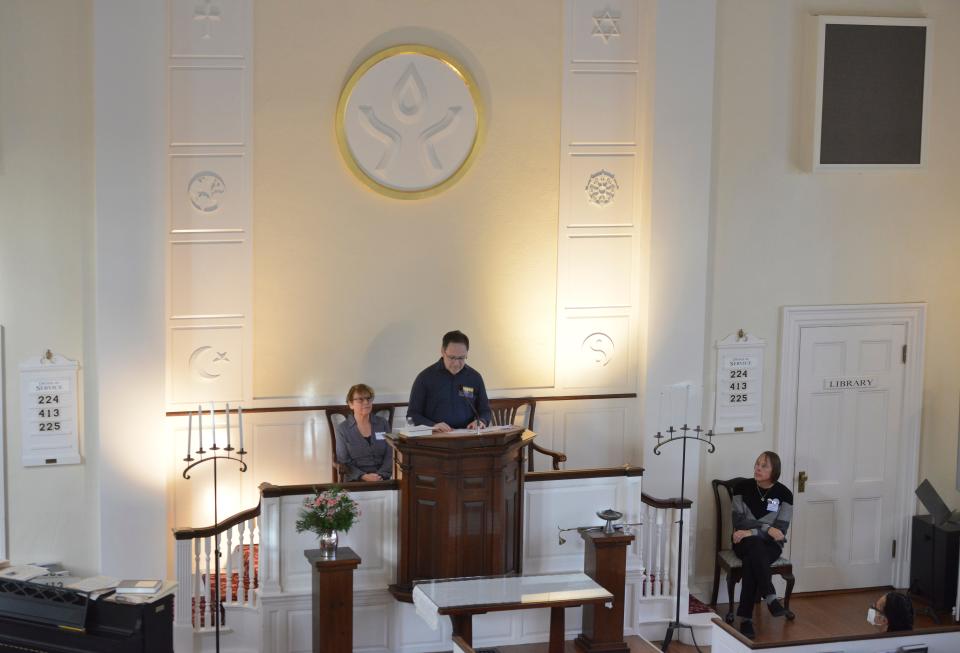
801,482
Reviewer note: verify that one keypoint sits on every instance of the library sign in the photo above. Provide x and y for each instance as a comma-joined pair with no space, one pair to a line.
50,411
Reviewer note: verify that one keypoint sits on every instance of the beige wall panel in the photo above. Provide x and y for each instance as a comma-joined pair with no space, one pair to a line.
205,105
291,451
603,107
598,272
202,275
351,285
595,438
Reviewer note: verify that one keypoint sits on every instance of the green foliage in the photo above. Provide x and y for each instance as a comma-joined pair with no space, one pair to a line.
332,510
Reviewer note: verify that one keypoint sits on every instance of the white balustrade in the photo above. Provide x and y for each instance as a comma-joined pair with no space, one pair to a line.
196,574
252,548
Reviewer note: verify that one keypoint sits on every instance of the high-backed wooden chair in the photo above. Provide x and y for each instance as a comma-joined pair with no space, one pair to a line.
519,412
728,561
340,414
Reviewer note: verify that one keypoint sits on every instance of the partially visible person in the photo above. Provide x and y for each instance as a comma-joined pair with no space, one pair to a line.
762,509
893,609
361,444
450,394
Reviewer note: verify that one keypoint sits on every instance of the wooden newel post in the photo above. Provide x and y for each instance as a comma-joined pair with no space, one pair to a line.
332,619
605,561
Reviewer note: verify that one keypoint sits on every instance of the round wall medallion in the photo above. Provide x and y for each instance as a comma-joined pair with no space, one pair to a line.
205,190
598,348
409,121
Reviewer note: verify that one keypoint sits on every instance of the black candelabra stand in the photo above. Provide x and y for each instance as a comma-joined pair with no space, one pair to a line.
213,455
700,436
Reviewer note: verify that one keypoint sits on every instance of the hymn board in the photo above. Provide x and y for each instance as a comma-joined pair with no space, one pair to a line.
49,411
739,399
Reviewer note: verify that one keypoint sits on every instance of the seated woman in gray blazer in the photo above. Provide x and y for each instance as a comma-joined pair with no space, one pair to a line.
360,439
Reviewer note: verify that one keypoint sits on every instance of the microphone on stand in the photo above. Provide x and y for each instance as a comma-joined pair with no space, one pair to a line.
467,394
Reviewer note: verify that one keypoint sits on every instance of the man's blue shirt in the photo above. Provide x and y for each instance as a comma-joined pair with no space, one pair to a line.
438,396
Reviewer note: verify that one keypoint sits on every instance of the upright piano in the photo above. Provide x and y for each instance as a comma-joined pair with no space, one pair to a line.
35,617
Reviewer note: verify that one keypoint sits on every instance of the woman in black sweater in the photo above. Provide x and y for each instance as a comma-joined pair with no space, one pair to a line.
762,509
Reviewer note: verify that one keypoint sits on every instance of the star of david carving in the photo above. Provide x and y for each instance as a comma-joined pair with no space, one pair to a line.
606,25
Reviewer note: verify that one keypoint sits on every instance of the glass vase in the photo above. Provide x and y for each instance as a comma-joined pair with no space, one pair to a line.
328,544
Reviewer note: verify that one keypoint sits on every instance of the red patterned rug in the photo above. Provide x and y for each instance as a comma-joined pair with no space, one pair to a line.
697,606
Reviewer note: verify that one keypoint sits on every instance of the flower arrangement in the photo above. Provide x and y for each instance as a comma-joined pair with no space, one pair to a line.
330,510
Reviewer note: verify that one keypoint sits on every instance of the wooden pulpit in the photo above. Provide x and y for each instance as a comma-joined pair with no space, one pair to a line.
332,618
461,506
605,561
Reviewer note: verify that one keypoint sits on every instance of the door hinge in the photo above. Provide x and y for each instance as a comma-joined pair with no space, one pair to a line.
903,358
893,552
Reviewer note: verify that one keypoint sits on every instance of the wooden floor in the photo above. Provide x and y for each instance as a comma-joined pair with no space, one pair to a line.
827,614
637,645
819,615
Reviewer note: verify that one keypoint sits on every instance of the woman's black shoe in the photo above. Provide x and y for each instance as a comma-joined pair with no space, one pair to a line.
746,629
776,608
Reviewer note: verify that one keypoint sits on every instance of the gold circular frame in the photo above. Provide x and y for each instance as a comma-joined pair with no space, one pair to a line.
344,147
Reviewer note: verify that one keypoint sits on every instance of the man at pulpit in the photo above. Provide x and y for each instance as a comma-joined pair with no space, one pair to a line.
450,394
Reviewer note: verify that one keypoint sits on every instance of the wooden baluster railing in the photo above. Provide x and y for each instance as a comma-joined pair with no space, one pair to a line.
659,544
229,595
197,614
258,521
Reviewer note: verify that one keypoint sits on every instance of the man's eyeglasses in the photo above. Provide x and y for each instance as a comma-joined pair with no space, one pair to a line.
455,358
362,400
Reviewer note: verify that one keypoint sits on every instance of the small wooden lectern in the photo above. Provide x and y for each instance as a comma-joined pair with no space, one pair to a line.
461,505
332,618
605,561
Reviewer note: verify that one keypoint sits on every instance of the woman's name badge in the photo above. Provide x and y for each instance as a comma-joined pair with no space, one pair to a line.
380,435
773,505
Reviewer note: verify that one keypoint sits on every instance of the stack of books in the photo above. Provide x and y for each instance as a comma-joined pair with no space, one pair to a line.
139,586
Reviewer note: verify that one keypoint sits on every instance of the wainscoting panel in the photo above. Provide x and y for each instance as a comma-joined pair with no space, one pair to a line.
395,626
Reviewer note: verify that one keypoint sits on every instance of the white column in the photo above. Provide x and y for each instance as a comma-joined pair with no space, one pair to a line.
679,228
270,545
183,627
130,126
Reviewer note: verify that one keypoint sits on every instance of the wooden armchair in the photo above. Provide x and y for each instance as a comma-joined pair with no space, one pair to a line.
728,561
340,414
520,413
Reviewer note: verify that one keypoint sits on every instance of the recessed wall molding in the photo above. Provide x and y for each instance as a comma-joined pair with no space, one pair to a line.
597,283
209,248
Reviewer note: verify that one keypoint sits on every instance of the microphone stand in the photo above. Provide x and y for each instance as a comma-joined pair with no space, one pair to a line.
476,415
708,440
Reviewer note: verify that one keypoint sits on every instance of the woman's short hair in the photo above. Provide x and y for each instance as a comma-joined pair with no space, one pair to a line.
357,389
898,611
775,465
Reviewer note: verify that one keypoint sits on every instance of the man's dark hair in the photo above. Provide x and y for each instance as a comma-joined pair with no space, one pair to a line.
775,464
898,611
456,336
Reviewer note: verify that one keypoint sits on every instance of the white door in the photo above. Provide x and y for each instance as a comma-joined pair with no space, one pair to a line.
849,404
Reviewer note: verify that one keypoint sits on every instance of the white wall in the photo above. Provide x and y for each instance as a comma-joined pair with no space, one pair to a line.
353,286
130,93
46,258
783,236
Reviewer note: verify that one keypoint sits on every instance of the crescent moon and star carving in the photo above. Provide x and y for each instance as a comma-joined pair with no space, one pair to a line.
207,363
